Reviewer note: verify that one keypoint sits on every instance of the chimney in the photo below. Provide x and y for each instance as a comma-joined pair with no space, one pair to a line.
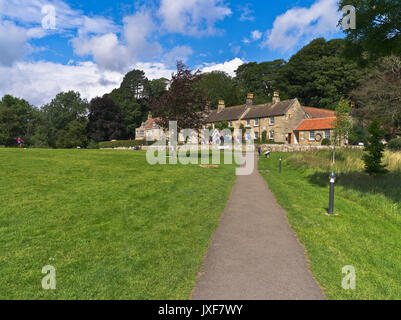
249,99
207,107
221,106
149,115
276,97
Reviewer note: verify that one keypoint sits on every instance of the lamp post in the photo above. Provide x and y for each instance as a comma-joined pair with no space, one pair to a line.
279,166
332,177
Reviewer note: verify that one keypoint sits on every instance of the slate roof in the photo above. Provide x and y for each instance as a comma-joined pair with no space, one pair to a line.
228,114
316,124
269,110
319,113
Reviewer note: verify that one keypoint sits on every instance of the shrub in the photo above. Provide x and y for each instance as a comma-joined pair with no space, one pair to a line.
374,148
93,145
394,145
122,144
326,142
264,136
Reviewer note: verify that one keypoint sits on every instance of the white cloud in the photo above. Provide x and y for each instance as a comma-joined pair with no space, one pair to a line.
155,70
256,35
111,53
40,82
179,53
12,42
246,13
105,49
300,25
29,13
228,66
192,17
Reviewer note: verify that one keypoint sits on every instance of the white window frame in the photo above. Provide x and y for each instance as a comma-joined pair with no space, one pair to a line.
271,121
271,135
230,124
248,123
312,132
256,122
327,134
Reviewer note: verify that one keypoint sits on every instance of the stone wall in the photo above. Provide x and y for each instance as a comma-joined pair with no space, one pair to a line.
299,147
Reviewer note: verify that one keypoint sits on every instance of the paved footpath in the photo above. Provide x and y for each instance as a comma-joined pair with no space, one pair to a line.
254,254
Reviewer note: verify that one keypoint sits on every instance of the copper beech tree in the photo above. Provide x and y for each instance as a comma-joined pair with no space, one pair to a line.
184,101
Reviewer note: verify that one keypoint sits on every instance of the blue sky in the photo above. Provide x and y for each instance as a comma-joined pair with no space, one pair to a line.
48,46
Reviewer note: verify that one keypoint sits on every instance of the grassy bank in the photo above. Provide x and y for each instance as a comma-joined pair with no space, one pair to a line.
366,232
113,226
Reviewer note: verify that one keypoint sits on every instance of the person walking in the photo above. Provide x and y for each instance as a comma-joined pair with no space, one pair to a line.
259,150
19,141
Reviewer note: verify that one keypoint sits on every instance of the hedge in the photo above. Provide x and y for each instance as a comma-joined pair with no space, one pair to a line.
122,144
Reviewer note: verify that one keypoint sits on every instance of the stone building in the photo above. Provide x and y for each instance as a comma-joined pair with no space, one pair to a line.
149,130
279,119
313,131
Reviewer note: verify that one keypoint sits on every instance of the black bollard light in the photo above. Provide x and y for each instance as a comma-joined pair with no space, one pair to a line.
279,167
332,177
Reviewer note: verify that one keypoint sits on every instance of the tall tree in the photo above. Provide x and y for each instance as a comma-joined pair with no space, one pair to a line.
133,98
374,149
61,111
17,119
74,135
105,120
219,85
380,94
261,79
319,75
184,102
343,123
378,29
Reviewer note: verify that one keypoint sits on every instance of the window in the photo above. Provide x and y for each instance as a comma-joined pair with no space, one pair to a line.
271,121
248,123
256,135
256,122
142,133
230,124
311,135
327,134
271,135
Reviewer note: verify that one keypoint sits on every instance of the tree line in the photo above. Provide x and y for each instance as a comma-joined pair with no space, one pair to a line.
364,69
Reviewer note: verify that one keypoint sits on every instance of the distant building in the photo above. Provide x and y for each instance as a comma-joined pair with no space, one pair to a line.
149,130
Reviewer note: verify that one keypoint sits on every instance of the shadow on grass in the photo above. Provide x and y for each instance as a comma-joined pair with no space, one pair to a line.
388,184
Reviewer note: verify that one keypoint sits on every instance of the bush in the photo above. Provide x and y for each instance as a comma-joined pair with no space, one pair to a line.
374,149
264,136
394,145
92,145
326,142
122,144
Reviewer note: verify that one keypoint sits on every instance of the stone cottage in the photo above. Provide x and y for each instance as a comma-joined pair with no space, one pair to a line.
279,119
149,130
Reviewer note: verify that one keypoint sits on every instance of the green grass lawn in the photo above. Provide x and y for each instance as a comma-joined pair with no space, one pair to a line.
366,233
113,226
